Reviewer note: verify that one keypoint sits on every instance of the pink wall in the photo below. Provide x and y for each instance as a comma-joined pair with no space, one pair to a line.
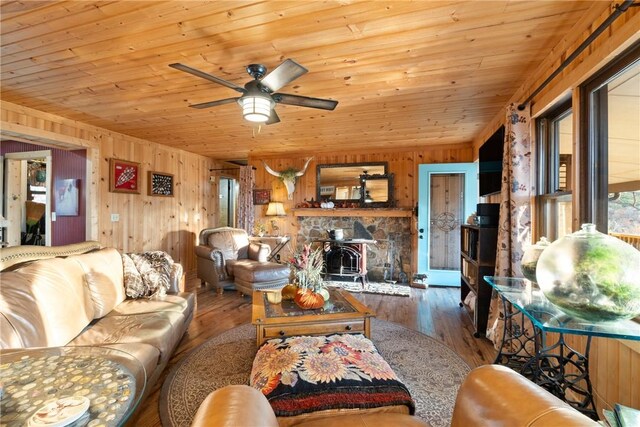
65,165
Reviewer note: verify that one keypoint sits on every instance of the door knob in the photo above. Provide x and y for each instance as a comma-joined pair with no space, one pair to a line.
421,230
420,237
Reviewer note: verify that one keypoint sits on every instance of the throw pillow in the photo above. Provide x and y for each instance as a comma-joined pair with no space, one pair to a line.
133,285
147,273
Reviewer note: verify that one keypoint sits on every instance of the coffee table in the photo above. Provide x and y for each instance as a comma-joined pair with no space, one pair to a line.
343,313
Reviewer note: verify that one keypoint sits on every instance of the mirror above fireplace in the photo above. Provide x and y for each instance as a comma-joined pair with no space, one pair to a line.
349,183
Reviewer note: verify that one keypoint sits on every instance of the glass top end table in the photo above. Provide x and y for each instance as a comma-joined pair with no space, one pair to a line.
557,367
112,380
529,299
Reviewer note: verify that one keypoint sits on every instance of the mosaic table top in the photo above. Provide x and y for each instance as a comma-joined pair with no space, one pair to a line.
111,379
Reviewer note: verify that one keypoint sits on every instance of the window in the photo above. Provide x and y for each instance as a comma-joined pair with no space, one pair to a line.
554,201
610,144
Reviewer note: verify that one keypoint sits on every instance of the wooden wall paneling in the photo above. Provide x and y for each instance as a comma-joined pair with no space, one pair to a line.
146,222
403,164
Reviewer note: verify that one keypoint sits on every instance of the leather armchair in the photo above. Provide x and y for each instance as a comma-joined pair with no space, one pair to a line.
227,259
490,396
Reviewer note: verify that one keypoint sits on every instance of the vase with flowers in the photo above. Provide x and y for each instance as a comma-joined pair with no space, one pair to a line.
259,228
306,267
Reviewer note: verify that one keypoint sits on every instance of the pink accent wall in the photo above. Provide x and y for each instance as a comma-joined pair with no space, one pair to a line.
65,165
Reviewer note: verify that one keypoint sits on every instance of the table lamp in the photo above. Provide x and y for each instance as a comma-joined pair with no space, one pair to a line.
275,209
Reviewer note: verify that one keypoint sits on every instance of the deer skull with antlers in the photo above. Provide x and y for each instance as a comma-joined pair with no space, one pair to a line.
288,177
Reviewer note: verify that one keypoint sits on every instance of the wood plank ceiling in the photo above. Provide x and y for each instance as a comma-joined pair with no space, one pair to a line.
406,74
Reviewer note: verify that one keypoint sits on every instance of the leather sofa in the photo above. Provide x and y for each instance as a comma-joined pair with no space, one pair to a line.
227,259
491,395
61,296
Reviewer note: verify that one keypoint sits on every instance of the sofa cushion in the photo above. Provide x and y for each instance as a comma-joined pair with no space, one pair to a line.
162,330
148,355
253,271
44,304
104,278
180,303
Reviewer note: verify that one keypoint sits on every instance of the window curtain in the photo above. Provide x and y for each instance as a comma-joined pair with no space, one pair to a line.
514,230
245,198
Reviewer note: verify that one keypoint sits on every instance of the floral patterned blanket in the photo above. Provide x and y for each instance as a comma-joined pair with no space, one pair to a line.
306,374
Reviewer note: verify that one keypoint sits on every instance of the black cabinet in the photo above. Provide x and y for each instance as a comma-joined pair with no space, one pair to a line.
477,259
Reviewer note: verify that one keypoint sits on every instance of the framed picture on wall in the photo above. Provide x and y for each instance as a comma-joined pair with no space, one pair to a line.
261,197
67,197
124,176
160,184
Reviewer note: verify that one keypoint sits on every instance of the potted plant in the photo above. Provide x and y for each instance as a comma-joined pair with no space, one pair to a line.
259,228
307,269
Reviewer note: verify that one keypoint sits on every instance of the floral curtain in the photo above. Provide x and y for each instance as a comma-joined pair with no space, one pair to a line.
245,198
514,230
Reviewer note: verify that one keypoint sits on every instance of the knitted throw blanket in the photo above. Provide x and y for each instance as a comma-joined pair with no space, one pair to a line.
146,274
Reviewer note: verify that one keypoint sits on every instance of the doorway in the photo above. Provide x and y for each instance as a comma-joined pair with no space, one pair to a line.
447,195
27,198
227,202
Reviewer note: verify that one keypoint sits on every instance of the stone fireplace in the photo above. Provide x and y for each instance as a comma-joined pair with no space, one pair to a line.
388,259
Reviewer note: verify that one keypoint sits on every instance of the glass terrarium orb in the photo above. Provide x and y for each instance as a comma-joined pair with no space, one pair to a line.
591,275
530,258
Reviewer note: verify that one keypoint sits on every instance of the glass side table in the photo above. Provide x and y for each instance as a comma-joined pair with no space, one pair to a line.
277,244
557,367
111,379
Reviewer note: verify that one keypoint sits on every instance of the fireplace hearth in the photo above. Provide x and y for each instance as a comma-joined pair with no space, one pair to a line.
388,259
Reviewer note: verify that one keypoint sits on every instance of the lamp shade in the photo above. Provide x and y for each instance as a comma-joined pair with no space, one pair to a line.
256,108
275,209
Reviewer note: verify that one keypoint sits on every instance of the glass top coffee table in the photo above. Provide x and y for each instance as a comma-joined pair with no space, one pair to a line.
343,313
112,380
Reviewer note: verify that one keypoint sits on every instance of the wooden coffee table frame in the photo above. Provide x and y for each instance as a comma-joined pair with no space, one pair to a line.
357,322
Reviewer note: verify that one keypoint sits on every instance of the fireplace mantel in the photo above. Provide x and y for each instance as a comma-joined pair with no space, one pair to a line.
368,212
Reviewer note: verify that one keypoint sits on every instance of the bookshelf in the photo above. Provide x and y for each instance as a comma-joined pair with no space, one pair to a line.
477,259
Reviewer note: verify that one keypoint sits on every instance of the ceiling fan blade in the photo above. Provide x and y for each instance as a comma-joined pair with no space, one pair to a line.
273,118
304,101
206,76
214,103
283,74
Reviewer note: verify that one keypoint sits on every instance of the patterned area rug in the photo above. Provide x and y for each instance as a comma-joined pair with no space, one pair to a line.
373,288
431,371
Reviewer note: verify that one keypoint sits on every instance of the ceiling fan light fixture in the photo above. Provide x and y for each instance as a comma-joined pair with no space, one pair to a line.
256,108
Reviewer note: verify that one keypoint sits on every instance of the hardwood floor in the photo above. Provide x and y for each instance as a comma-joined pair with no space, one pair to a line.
434,312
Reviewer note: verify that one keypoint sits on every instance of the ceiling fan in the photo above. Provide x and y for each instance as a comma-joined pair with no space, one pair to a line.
258,98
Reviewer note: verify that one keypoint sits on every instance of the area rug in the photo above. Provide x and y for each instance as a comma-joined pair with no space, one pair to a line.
373,288
431,371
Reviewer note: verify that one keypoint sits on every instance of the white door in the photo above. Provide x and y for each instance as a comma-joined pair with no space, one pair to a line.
15,194
13,200
447,195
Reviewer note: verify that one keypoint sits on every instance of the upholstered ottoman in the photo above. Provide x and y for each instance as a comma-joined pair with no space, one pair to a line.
307,377
252,276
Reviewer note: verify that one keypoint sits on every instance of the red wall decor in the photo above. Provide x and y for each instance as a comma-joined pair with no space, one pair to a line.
124,176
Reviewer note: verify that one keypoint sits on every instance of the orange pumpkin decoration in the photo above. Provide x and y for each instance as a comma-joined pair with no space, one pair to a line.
289,292
307,299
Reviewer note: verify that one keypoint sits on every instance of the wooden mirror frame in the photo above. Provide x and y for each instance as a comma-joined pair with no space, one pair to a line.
358,201
389,203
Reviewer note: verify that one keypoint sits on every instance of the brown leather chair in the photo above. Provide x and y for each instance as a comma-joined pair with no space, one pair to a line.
227,259
490,396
